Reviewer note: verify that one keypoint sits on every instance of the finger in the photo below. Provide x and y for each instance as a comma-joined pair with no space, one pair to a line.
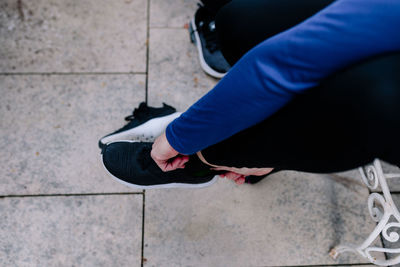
163,165
223,175
177,163
232,175
240,180
169,166
180,163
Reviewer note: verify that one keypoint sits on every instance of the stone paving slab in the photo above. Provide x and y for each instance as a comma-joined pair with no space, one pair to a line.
50,126
79,36
290,219
71,231
175,75
171,13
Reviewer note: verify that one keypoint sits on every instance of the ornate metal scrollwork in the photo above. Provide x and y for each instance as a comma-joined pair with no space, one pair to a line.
370,177
381,208
392,236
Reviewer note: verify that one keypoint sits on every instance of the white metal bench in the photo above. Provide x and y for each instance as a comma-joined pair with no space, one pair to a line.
383,211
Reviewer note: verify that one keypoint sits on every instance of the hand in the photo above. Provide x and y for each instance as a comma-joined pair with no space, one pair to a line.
166,157
239,174
237,177
236,174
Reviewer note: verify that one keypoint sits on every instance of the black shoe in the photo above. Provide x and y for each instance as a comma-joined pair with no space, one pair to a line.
203,34
130,163
145,124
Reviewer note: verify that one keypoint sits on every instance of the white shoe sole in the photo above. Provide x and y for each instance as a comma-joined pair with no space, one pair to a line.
203,63
170,185
148,131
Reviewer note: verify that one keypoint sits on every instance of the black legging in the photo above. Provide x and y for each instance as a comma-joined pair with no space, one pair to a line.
345,122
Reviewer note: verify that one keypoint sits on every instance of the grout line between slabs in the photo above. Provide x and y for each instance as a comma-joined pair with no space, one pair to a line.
71,73
322,265
147,50
143,259
71,195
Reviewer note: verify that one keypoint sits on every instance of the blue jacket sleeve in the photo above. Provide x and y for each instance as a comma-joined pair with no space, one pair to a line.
269,75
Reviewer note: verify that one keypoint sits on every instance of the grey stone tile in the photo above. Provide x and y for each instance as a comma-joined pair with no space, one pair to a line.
175,75
171,13
290,218
79,36
393,245
71,231
50,126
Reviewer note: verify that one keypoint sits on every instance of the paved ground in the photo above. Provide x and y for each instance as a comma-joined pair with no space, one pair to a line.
70,72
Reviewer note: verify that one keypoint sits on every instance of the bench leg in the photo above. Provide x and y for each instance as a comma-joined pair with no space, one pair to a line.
381,208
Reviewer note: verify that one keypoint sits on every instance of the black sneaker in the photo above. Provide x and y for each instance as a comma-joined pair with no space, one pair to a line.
145,124
130,163
203,34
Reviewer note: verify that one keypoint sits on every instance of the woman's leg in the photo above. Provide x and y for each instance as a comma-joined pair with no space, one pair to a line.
347,121
242,24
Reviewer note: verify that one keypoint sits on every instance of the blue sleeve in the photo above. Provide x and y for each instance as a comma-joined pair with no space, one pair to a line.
269,75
